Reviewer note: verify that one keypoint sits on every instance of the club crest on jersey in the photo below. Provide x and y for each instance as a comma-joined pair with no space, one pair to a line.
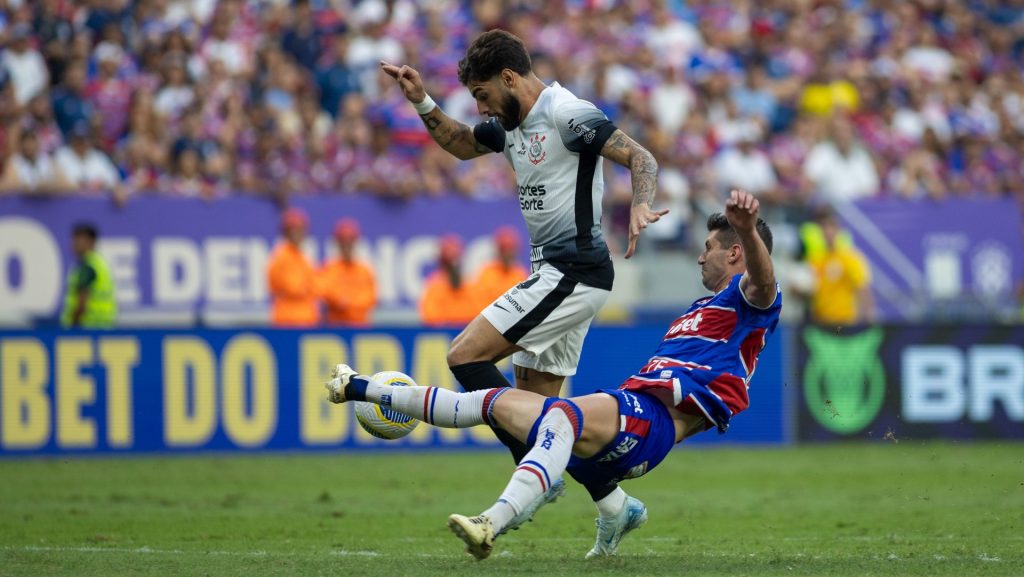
537,153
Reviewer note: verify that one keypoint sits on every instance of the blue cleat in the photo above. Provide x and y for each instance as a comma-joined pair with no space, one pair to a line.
611,531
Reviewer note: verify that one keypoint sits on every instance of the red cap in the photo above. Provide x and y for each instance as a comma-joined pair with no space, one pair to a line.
346,229
506,239
294,218
450,249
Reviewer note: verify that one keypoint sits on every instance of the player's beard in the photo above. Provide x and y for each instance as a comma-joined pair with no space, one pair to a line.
511,109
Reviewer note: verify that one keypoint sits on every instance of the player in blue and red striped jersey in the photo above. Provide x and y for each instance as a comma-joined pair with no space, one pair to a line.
696,380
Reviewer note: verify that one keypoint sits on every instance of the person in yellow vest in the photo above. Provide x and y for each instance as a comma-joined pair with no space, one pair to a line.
504,271
448,300
349,286
291,277
842,293
89,301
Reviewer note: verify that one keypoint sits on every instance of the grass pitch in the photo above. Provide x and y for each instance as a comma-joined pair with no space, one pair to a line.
858,510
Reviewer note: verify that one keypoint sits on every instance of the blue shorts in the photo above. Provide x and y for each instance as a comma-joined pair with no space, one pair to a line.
646,435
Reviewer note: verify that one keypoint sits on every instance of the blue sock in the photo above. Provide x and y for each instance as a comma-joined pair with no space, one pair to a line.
355,390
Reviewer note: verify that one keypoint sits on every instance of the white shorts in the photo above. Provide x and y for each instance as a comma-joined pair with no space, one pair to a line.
548,315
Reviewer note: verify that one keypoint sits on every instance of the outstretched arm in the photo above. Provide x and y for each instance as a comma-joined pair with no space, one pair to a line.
643,169
758,282
450,134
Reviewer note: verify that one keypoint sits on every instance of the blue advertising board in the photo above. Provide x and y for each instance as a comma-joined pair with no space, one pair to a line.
197,391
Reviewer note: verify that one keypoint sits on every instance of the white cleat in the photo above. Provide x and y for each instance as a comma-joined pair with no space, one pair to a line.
611,531
476,532
556,490
340,377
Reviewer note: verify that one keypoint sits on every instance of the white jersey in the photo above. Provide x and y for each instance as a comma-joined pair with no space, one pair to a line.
555,153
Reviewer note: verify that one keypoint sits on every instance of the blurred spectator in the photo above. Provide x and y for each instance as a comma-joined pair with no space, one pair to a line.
25,64
348,284
335,78
109,94
503,271
746,167
31,170
305,120
86,168
142,155
38,119
89,300
754,97
176,93
54,31
841,294
186,179
840,168
447,298
70,105
371,43
926,58
224,42
672,98
827,92
290,276
302,40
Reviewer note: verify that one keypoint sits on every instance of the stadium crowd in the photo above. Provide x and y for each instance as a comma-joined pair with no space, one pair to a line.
802,102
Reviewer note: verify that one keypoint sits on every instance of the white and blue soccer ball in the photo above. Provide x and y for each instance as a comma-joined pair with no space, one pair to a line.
382,422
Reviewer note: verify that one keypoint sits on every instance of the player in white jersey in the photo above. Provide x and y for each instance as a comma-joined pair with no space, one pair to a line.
555,143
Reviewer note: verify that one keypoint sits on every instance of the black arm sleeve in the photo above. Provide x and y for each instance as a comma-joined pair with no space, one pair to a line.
490,134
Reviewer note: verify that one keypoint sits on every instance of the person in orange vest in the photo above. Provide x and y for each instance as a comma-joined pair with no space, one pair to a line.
500,274
291,277
447,298
349,285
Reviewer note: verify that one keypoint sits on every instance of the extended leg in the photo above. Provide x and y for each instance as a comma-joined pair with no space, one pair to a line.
546,461
439,407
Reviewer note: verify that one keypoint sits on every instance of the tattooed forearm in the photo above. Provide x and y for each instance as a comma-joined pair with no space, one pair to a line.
625,151
452,135
644,170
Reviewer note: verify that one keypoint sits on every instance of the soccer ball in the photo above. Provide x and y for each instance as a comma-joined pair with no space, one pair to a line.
382,422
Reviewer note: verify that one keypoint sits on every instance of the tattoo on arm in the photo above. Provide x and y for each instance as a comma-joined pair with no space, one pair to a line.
644,169
431,122
452,135
640,162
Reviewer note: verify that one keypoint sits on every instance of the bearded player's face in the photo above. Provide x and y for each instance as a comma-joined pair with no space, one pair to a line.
494,99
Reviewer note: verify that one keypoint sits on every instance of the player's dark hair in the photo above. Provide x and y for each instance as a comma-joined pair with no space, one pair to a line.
727,235
492,52
85,229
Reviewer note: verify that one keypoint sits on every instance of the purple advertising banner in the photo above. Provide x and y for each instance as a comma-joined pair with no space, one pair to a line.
963,254
191,255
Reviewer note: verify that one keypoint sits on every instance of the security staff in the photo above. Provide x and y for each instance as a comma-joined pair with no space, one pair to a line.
89,298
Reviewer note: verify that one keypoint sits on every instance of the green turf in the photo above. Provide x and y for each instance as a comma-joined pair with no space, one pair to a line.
880,509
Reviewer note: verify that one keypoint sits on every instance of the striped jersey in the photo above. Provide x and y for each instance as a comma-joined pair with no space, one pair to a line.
715,346
555,153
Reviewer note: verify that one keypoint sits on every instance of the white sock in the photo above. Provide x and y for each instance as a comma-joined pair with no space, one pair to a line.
543,465
439,407
612,503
